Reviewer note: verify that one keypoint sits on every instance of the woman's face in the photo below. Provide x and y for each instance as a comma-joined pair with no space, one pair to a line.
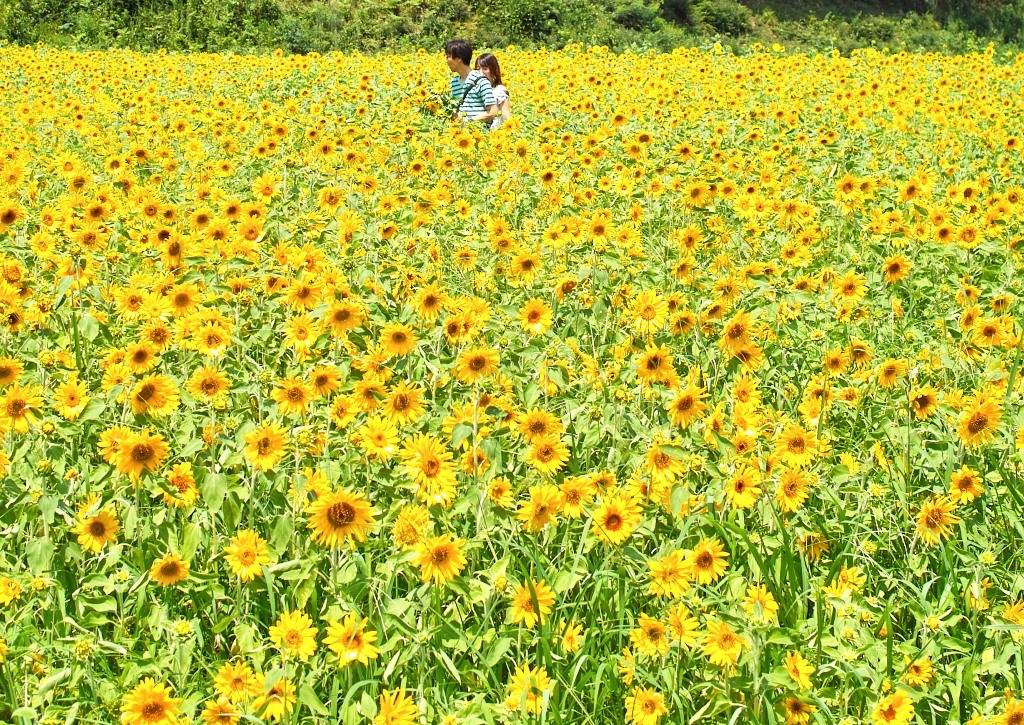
486,71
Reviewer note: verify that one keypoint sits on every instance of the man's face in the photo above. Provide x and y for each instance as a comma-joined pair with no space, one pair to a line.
453,63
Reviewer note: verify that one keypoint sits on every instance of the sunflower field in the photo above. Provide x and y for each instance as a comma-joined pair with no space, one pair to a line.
692,395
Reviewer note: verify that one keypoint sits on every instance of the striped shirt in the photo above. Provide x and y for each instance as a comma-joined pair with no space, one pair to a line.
480,96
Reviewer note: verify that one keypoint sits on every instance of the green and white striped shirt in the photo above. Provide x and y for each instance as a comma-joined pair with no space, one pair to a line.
480,96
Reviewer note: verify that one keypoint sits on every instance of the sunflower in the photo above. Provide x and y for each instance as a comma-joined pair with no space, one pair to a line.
799,670
96,530
169,570
532,603
936,520
894,709
429,464
219,712
645,706
669,575
683,626
339,516
208,383
919,672
721,645
744,486
138,452
850,287
325,380
647,312
246,555
662,467
378,437
294,634
792,490
687,405
237,682
344,316
70,398
654,365
475,364
616,518
979,421
965,485
18,407
404,404
797,711
890,371
896,268
860,353
293,396
924,401
10,370
140,357
500,493
352,640
708,561
796,446
535,316
536,423
576,492
301,333
430,301
440,558
650,637
736,334
529,690
275,702
541,508
265,446
570,636
395,707
411,527
155,396
1013,713
182,483
548,455
398,339
211,339
150,703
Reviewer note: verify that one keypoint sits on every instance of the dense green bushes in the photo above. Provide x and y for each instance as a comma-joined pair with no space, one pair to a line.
301,26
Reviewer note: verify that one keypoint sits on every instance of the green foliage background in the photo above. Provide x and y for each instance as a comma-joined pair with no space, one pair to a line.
303,26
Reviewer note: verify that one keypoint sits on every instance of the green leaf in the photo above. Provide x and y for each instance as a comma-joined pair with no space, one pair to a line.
53,680
190,537
368,706
25,713
308,698
89,326
93,410
449,665
497,651
461,432
39,553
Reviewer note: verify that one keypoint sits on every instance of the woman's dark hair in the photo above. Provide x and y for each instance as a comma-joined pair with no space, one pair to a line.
460,49
488,61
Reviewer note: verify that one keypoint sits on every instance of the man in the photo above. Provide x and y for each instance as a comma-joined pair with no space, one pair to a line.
471,91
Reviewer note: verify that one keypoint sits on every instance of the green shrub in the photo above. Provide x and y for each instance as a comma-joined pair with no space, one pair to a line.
636,16
677,11
727,17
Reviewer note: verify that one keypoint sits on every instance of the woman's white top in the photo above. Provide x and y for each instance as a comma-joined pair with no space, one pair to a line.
500,96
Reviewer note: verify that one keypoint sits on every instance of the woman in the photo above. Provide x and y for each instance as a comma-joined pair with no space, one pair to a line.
488,65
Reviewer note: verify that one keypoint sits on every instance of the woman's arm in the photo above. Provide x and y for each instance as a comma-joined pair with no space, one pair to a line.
506,109
491,112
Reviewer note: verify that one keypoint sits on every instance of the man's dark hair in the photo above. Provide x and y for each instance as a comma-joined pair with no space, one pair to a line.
460,49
